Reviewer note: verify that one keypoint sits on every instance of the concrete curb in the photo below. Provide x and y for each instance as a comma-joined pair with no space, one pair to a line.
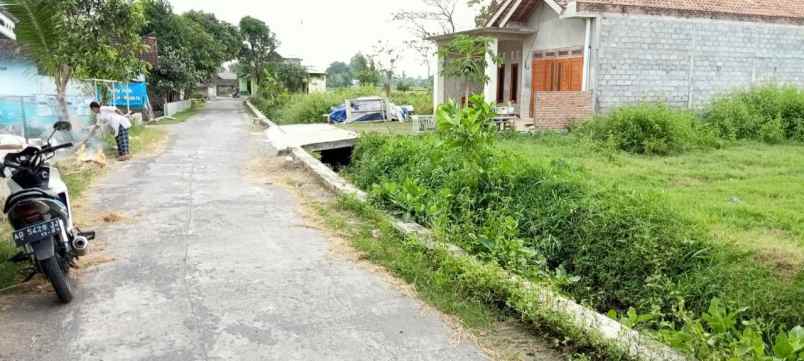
589,321
261,117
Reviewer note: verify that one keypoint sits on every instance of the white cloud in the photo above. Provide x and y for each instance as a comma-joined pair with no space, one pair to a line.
321,32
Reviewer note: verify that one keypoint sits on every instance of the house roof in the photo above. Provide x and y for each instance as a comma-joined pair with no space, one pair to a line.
770,10
759,8
515,32
227,75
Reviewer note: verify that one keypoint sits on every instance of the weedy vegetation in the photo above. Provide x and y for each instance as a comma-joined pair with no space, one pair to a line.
596,215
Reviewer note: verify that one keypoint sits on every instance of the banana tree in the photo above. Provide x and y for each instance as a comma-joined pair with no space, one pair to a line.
70,39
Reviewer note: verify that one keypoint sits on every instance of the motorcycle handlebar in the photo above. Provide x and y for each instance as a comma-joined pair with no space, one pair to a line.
62,146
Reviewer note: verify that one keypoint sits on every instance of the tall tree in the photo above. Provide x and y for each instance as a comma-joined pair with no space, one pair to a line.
291,76
176,69
227,36
259,47
386,57
79,39
364,70
339,75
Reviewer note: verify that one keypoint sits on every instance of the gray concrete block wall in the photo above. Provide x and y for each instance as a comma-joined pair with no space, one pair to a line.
689,61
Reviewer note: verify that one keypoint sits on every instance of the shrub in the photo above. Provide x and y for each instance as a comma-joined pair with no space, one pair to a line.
770,113
422,101
310,108
648,129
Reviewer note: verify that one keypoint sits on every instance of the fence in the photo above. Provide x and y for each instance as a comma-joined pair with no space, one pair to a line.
177,107
31,117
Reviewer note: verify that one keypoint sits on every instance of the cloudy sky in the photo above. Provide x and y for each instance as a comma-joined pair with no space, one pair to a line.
324,31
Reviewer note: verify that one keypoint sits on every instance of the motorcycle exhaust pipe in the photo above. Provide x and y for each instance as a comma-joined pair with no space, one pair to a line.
80,246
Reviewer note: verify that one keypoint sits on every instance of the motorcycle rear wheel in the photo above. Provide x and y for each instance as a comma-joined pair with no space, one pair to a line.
59,281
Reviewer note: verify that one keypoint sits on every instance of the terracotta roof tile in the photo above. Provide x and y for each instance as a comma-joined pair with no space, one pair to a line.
762,8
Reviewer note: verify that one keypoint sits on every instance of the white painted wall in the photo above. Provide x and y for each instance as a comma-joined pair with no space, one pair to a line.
318,84
177,107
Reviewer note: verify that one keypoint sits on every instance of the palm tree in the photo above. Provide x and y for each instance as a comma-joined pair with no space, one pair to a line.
37,32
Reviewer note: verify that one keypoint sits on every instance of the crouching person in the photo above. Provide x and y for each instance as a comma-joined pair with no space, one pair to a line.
112,119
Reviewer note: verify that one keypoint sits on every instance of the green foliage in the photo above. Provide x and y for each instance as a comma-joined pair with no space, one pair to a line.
421,100
469,129
648,129
339,75
9,272
466,58
192,47
365,71
608,245
259,47
79,39
310,108
770,113
292,77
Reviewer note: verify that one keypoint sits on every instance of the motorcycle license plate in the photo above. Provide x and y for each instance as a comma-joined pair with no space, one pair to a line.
37,232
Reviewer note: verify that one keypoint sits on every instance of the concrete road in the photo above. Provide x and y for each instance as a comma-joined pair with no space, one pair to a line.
210,266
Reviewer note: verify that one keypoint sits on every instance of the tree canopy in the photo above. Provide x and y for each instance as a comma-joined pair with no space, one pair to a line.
80,39
192,47
339,75
259,47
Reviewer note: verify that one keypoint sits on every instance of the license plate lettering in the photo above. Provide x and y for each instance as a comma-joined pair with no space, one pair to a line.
36,232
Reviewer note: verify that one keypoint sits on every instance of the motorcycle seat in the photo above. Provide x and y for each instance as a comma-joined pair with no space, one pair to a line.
28,194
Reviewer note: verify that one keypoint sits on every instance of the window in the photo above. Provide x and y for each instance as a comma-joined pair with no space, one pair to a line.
514,83
561,74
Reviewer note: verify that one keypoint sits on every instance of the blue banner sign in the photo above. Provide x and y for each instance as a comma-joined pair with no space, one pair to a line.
132,95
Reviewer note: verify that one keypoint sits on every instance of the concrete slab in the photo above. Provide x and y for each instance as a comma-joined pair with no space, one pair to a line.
312,137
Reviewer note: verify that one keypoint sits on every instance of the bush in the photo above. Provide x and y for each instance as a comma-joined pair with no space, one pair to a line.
648,129
310,108
770,113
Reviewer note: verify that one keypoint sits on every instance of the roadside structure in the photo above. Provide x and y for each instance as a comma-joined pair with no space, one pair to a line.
316,80
565,60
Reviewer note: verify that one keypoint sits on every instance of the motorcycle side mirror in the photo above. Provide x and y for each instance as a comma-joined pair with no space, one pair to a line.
62,126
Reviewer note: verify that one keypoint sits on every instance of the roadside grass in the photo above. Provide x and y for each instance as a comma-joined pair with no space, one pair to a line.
470,295
750,194
182,117
387,128
78,177
141,137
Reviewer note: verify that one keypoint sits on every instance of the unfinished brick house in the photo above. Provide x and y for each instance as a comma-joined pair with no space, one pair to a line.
565,60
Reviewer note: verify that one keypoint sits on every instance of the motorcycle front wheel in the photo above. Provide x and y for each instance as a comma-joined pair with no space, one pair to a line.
52,269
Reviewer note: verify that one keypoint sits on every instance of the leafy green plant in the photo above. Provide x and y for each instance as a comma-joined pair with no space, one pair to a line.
466,58
771,113
648,129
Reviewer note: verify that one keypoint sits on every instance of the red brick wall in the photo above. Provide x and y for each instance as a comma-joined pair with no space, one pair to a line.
557,110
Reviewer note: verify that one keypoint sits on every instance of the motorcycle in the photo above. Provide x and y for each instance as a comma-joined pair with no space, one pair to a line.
38,208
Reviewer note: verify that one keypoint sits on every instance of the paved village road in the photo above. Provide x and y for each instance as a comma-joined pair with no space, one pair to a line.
210,266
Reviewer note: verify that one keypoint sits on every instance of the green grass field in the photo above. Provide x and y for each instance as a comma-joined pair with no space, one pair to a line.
750,194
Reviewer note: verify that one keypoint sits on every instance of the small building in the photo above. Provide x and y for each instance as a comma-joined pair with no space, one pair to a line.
316,81
568,59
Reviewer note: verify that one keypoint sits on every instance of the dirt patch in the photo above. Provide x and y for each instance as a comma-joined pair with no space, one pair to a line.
112,217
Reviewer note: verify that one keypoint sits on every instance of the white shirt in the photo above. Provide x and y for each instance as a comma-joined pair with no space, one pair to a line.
108,117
